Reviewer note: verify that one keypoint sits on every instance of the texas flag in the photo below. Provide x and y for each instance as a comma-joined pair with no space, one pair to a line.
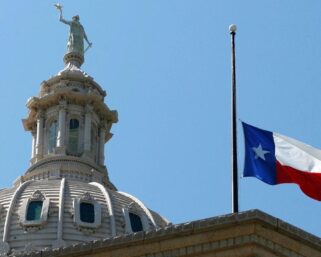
277,159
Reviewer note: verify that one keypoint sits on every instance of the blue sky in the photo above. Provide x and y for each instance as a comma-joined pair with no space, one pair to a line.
165,65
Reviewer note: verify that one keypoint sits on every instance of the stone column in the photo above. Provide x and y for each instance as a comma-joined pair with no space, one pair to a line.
87,129
61,138
39,139
33,144
102,135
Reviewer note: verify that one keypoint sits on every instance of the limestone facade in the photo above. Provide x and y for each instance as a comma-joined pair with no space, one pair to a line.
248,234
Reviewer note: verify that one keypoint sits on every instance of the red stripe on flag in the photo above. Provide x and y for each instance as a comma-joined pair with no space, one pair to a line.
309,182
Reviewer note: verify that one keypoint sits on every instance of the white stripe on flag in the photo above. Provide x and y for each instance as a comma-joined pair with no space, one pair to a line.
293,153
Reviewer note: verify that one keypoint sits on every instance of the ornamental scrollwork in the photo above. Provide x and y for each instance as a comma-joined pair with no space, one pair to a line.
87,197
37,196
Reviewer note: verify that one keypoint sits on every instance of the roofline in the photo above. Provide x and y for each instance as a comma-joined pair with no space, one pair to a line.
187,228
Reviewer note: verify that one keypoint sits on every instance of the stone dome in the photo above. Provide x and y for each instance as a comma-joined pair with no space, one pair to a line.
60,223
65,197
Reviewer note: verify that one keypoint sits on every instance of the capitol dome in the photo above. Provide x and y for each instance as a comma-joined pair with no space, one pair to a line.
66,197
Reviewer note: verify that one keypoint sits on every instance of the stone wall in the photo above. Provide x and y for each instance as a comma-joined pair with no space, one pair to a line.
247,234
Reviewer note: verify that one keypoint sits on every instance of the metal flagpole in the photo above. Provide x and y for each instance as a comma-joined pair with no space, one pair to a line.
235,197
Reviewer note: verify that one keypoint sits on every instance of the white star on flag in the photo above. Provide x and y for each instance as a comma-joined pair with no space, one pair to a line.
259,152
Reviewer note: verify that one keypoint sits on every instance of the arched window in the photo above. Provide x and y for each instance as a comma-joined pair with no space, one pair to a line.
135,222
52,136
73,136
34,210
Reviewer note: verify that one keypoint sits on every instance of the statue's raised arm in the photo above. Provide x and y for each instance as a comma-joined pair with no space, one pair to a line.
63,20
77,34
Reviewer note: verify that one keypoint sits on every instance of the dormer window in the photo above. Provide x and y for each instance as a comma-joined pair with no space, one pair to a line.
73,136
34,210
135,222
87,212
52,136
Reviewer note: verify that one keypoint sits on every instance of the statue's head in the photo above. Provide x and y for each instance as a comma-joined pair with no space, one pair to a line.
75,18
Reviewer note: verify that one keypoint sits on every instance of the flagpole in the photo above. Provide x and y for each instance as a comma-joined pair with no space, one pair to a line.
235,200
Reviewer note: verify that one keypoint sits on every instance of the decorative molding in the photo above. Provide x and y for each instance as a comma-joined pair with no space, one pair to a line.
88,109
145,209
86,227
128,228
70,167
87,197
37,196
209,241
130,209
10,209
61,211
34,225
103,124
109,206
63,103
54,174
40,114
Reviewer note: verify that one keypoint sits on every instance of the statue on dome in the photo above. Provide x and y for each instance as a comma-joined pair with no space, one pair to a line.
77,34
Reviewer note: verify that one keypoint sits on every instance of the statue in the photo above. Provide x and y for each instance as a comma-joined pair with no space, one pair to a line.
77,34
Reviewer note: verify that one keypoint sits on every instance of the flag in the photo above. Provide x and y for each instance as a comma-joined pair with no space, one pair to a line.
276,159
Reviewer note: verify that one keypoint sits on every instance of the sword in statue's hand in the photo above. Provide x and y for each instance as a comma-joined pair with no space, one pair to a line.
89,46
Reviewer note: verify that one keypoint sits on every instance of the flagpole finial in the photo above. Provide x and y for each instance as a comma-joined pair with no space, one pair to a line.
232,28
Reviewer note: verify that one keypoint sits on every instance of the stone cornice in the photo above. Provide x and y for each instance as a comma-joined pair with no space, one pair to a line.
65,158
253,222
43,167
78,77
82,99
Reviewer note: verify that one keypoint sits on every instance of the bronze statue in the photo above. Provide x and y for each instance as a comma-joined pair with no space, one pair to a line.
77,34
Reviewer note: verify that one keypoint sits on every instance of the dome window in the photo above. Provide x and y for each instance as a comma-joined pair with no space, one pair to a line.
73,136
135,222
34,210
87,212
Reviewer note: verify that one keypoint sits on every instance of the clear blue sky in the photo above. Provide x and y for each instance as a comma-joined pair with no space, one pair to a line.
165,65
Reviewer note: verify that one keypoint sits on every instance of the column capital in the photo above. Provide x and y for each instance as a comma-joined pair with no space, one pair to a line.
103,124
63,103
88,109
40,114
34,130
